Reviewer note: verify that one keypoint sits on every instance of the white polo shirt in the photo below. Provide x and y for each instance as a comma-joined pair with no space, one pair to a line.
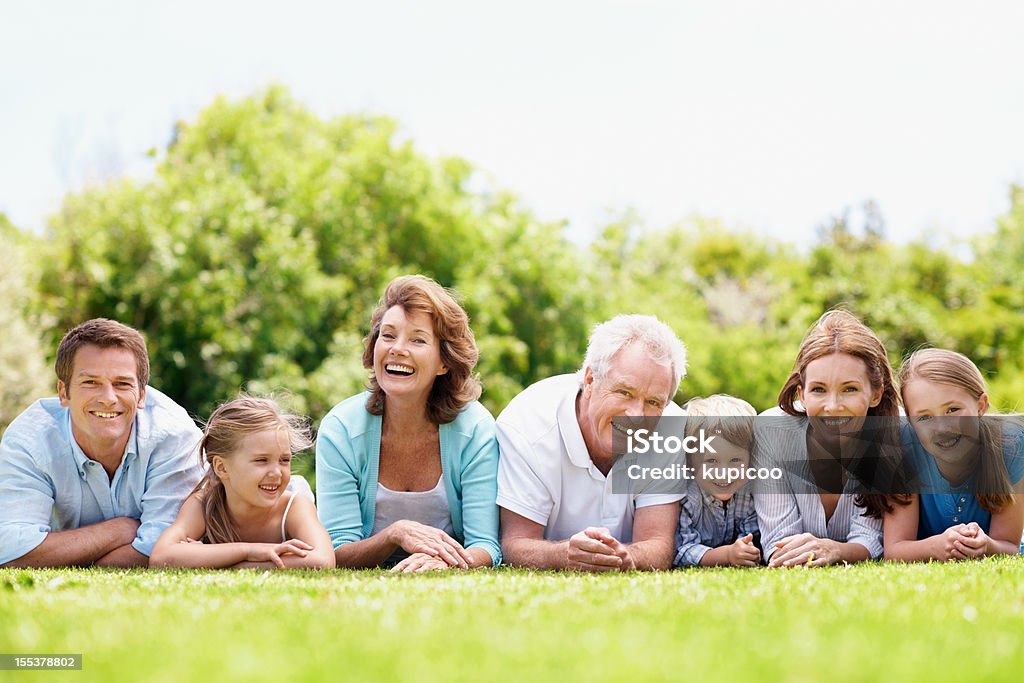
545,473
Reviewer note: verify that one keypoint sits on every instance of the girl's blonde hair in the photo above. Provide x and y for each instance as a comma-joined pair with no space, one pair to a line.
955,369
228,425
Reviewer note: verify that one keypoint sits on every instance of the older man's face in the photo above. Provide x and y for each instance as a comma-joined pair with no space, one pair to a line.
633,385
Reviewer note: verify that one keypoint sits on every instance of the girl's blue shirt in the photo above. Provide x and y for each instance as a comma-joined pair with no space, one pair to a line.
943,505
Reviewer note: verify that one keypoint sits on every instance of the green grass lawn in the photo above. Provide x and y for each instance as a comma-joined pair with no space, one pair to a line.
922,622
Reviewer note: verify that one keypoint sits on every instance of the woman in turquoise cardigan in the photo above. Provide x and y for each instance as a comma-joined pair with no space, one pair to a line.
406,473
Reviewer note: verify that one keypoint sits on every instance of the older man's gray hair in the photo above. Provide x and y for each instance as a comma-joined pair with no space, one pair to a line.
657,338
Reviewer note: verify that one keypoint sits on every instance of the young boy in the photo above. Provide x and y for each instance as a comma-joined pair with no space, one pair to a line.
717,521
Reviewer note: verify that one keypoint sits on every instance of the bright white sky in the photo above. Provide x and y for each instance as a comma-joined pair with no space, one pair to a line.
770,115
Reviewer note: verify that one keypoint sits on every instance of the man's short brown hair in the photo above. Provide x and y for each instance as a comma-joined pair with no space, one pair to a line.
103,333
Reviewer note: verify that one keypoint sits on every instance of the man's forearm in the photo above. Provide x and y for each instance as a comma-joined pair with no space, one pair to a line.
123,556
536,553
652,554
79,547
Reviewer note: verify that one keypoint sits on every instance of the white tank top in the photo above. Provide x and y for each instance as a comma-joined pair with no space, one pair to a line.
298,487
284,517
426,507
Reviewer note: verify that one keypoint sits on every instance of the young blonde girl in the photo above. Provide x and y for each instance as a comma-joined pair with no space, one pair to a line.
242,513
969,467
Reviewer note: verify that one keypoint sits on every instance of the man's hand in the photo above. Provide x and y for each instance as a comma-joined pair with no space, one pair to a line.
127,528
106,543
595,550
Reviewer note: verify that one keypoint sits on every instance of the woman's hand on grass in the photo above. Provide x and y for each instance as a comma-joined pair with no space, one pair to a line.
804,550
413,538
420,562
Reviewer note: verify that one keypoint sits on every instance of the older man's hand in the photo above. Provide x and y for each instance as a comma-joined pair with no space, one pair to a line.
595,550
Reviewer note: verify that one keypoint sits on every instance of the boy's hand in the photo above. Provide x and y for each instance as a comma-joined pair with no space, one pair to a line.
743,552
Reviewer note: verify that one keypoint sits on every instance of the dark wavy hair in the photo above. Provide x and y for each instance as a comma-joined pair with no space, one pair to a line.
459,386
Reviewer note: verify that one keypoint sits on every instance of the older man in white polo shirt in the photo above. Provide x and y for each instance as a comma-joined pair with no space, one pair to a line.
558,510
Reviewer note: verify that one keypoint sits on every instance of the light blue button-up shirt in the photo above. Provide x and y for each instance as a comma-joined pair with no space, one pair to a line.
48,484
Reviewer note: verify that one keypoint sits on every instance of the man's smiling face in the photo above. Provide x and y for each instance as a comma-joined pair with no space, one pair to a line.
103,395
633,386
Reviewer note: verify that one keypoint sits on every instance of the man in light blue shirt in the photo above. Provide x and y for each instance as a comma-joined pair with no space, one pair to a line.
95,475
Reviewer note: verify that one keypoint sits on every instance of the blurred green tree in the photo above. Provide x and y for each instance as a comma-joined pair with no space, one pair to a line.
254,257
24,375
257,253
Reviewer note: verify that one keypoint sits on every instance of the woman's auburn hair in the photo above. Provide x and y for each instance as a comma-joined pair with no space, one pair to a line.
839,331
458,387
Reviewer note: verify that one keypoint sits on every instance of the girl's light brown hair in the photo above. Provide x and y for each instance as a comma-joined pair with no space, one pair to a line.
841,332
456,388
957,370
228,425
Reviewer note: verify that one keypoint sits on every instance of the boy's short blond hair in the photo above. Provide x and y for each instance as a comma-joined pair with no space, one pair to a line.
720,415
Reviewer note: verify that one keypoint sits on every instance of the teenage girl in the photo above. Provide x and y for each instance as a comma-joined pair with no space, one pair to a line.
969,467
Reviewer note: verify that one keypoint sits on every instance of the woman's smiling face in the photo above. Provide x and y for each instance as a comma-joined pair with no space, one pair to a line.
837,390
407,354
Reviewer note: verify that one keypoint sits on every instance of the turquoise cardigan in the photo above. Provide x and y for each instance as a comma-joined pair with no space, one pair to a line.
348,457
